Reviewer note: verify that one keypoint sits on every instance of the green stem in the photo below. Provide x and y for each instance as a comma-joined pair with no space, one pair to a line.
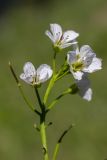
52,81
59,142
59,97
59,77
54,63
44,141
56,151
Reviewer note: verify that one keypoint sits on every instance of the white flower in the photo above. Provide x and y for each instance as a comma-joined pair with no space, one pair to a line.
35,77
84,88
83,61
59,39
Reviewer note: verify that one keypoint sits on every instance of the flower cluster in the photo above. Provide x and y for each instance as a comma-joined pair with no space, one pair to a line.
77,62
80,62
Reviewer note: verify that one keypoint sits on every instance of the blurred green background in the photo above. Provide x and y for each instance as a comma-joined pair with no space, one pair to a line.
22,27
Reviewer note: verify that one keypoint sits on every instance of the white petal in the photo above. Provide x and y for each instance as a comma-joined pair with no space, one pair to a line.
88,59
88,95
50,36
86,49
28,80
94,66
44,72
56,31
69,36
87,55
71,57
64,45
84,88
77,75
29,69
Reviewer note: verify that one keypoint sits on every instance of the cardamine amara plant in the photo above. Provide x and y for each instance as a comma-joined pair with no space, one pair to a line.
79,62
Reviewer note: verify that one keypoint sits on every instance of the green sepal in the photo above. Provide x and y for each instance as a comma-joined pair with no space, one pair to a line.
57,49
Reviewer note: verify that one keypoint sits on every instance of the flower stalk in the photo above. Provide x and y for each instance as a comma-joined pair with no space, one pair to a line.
52,81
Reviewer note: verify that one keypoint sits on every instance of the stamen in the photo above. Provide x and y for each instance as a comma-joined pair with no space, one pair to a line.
78,66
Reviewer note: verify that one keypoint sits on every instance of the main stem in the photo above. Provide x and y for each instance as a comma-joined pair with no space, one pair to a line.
43,137
42,126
